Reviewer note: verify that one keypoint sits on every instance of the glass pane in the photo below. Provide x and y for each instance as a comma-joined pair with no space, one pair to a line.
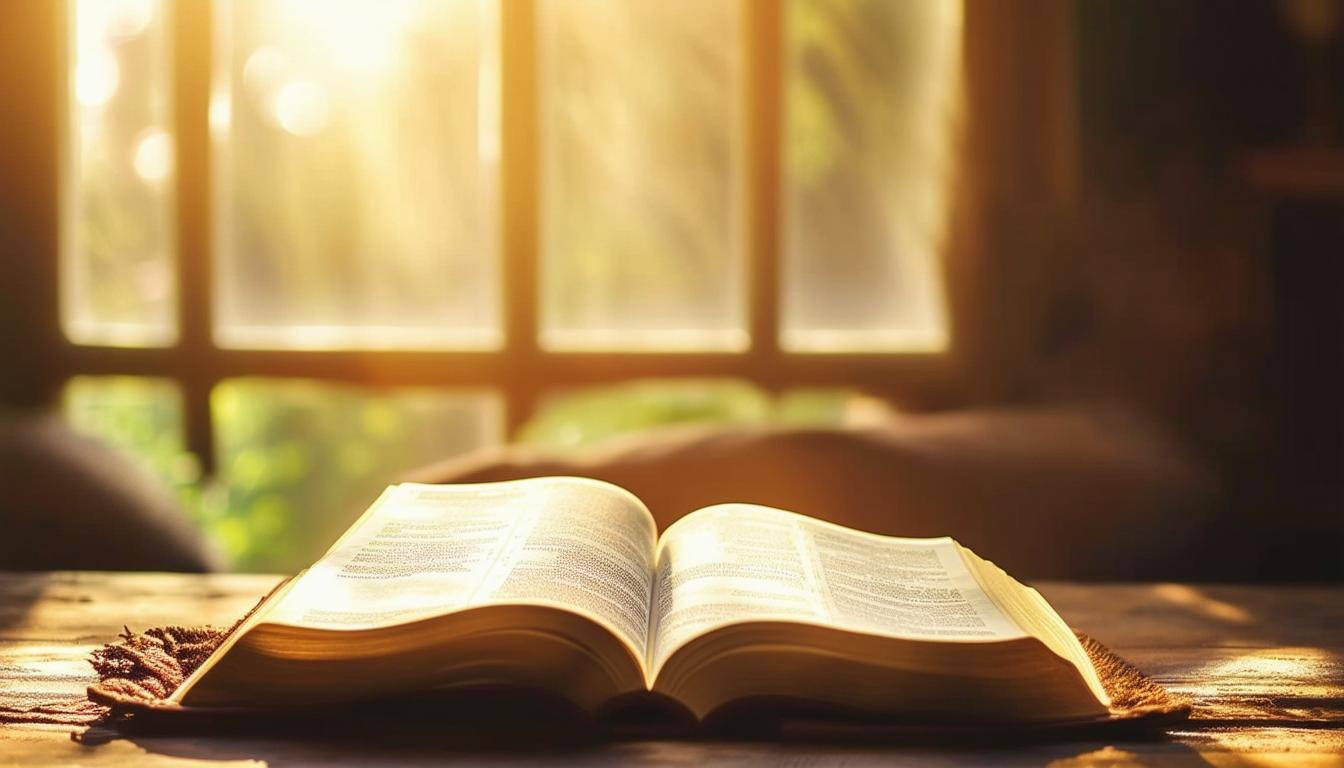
299,460
143,418
871,90
117,279
357,148
638,159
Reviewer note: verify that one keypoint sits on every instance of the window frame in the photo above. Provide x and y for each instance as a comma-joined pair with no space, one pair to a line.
975,365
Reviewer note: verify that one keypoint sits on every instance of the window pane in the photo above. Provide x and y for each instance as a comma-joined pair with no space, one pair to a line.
143,418
117,280
871,90
638,159
357,146
299,460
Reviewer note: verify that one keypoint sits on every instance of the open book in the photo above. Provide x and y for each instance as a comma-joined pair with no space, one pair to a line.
563,585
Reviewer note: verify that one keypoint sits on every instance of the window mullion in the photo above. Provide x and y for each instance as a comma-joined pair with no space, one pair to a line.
761,93
191,46
519,204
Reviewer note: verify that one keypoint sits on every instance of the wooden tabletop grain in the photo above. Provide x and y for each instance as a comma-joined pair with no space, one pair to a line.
1264,664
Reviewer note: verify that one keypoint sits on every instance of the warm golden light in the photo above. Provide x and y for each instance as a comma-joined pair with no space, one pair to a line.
154,155
301,108
356,36
1310,668
117,253
265,72
871,104
99,26
112,20
97,77
640,160
127,18
355,147
221,114
1108,756
1197,601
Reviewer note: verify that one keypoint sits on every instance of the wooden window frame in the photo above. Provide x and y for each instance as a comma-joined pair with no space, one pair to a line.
1000,144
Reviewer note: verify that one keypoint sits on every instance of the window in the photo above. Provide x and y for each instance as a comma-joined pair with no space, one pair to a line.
301,227
117,276
867,105
355,151
640,145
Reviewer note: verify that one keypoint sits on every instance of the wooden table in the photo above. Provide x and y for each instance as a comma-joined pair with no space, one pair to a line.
1265,665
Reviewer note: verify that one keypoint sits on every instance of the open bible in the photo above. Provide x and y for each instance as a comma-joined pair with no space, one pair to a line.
562,585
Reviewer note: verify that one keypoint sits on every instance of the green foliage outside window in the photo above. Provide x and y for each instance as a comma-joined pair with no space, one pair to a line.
299,460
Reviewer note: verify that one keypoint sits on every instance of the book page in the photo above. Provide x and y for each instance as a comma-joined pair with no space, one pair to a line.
427,550
739,562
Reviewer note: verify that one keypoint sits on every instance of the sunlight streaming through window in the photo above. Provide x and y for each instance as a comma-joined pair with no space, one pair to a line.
639,153
356,164
871,94
117,263
355,176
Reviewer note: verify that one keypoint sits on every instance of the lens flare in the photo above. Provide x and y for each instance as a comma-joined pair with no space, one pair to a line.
301,108
154,156
97,77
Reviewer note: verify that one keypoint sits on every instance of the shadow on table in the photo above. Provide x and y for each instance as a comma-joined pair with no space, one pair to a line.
18,593
449,746
505,730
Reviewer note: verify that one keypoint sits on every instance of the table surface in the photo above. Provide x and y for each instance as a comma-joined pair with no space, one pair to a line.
1264,664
